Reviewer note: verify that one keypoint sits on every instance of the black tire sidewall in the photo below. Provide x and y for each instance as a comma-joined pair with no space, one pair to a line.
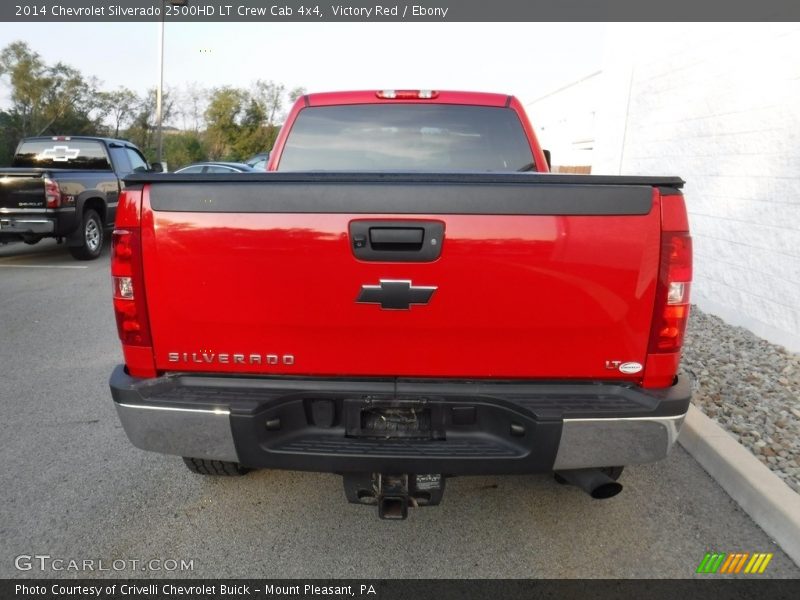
83,252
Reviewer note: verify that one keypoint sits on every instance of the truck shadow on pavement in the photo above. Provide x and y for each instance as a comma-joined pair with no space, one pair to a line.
45,253
297,524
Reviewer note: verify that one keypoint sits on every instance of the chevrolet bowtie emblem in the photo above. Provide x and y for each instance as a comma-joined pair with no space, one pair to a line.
60,153
395,294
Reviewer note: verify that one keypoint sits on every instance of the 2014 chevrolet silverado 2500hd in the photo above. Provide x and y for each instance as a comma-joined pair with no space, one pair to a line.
396,303
65,187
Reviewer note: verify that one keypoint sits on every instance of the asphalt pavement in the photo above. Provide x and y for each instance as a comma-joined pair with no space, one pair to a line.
72,487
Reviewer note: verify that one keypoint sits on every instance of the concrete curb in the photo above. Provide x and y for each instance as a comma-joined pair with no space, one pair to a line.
772,504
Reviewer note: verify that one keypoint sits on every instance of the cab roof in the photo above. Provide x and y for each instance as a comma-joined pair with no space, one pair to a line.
92,138
373,97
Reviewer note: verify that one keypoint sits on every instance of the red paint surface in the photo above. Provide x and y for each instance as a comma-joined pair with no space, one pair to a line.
518,296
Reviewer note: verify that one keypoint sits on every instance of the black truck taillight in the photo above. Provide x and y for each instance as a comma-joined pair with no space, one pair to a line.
672,293
127,278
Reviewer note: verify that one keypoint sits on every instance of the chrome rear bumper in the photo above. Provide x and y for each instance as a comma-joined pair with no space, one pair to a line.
274,423
616,442
26,225
584,442
198,433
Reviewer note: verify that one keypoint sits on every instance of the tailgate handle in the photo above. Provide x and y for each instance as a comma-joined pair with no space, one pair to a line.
396,238
396,241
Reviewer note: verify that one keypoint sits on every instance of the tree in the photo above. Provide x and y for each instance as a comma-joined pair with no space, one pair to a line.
8,141
119,107
183,148
222,121
142,129
26,73
260,117
296,93
57,99
255,140
46,99
69,101
194,101
269,97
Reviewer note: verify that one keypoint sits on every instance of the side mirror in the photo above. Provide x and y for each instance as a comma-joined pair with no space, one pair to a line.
547,158
157,167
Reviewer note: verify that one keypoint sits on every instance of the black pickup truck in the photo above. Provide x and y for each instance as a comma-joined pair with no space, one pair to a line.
66,188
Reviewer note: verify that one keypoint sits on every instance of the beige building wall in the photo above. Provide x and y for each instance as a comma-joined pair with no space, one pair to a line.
564,120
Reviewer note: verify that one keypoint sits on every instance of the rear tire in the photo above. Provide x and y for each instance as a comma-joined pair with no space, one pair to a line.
203,466
92,237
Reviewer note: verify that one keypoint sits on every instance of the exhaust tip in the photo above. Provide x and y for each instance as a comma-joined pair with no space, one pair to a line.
606,490
592,481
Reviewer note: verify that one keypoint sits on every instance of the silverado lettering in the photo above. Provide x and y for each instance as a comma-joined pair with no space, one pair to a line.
225,358
459,309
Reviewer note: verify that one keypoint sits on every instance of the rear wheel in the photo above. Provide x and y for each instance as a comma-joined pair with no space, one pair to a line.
92,238
214,467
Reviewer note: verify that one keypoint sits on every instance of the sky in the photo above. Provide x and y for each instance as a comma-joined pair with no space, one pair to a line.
525,59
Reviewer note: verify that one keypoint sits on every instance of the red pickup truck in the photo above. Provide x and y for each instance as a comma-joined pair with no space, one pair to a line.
407,295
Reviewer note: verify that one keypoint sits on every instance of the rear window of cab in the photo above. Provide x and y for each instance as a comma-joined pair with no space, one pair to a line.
62,154
406,137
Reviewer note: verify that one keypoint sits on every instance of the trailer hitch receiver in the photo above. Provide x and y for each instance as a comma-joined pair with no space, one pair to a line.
393,494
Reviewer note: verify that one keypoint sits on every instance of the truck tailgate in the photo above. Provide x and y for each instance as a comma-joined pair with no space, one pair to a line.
534,279
21,189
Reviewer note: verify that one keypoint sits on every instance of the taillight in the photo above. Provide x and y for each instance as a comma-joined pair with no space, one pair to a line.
406,94
52,193
127,279
672,295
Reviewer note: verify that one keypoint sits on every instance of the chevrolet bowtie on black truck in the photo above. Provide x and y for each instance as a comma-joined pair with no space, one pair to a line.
65,188
407,295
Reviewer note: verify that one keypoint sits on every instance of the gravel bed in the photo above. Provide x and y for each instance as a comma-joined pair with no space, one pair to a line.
750,387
